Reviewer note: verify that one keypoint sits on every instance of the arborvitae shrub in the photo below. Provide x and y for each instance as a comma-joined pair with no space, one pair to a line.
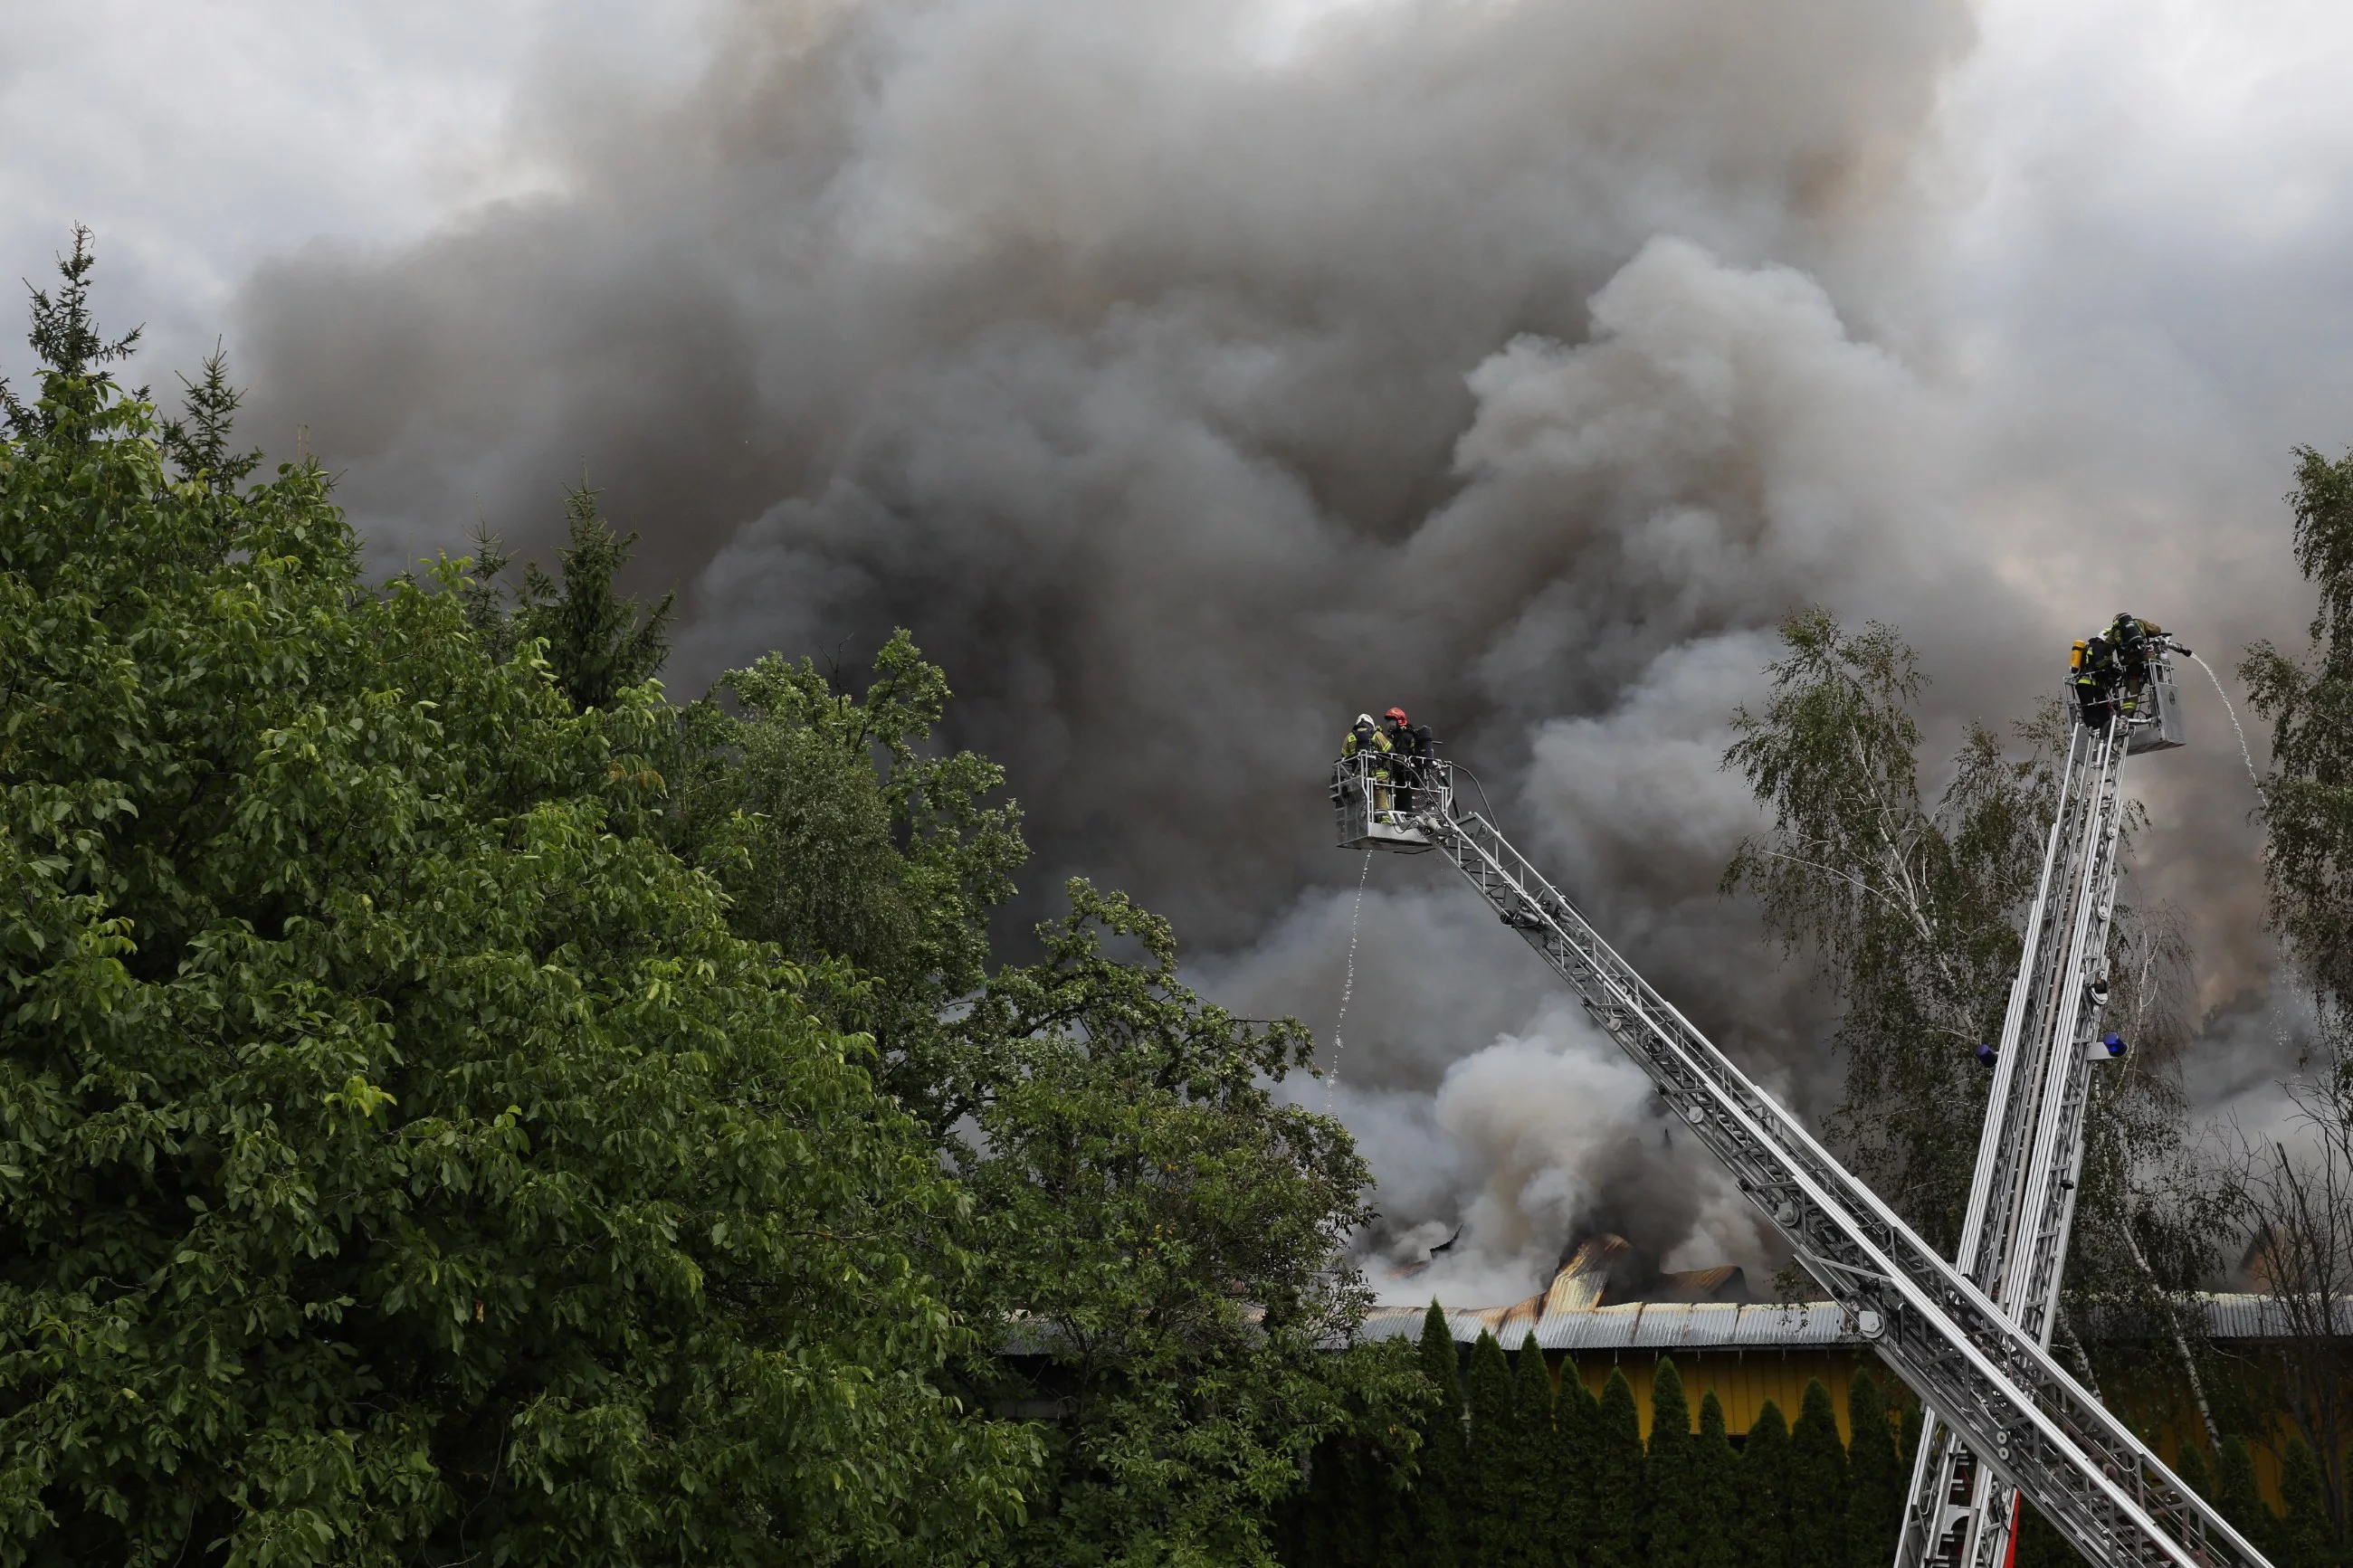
1763,1536
1531,1490
1876,1486
2191,1465
1576,1428
1816,1482
2238,1498
1429,1532
1672,1519
1716,1489
1615,1539
1486,1490
2307,1537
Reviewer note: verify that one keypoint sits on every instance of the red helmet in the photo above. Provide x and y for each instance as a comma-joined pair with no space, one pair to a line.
1395,713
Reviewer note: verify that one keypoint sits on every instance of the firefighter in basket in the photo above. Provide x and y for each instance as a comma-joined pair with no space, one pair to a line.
1366,739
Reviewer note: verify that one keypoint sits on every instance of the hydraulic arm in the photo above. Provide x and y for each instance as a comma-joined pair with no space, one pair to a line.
1994,1383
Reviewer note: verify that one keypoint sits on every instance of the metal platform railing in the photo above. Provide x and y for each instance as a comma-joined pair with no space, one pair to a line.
1377,797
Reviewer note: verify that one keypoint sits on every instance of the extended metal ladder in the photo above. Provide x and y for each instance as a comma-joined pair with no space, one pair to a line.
1994,1383
2031,1155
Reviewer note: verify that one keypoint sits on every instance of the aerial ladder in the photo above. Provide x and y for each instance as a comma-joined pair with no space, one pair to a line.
1999,1396
2022,1206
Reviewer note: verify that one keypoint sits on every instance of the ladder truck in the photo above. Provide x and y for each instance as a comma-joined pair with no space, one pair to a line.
2030,1153
1998,1393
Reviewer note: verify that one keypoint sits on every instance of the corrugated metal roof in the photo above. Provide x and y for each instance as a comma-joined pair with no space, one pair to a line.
1675,1325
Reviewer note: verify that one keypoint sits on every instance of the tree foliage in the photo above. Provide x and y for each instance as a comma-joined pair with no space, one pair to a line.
1817,1481
1674,1530
1913,915
597,644
1431,1526
1172,1238
456,1105
1910,907
1613,1537
2307,797
1765,1492
400,1157
1534,1526
1875,1479
1716,1489
1576,1420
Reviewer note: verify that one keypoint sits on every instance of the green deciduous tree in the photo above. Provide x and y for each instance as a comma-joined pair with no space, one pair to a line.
840,828
2307,800
1875,1483
1613,1538
1140,1197
1910,907
400,1158
1173,1239
1817,1481
1765,1492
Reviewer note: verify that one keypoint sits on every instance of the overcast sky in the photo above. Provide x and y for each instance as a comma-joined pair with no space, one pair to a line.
1188,373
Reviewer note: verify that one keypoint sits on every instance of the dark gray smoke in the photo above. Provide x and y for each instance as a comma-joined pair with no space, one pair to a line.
1192,375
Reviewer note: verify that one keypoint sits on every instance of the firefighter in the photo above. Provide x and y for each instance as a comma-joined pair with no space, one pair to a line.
1406,747
1365,737
2093,675
2133,640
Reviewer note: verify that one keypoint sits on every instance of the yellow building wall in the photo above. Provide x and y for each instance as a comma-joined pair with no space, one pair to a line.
1743,1379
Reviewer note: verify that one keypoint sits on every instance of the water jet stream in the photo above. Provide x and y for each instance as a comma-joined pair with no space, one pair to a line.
1349,986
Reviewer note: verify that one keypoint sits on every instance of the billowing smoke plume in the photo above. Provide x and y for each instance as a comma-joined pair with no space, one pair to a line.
1191,375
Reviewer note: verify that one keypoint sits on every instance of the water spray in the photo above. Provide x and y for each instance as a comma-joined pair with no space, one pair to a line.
1347,986
2243,756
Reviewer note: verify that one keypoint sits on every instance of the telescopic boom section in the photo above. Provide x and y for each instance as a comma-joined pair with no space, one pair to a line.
2031,1156
1994,1383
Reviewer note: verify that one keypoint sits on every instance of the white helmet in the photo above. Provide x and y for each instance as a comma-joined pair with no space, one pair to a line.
1364,718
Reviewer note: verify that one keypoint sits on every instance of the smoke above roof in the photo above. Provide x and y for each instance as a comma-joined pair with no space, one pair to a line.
1192,374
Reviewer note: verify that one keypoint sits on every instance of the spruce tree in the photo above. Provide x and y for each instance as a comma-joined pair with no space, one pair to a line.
1576,1426
1765,1492
2306,1537
1669,1485
597,646
1531,1495
1816,1482
2238,1498
1874,1500
1486,1490
1429,1510
1614,1538
1715,1489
